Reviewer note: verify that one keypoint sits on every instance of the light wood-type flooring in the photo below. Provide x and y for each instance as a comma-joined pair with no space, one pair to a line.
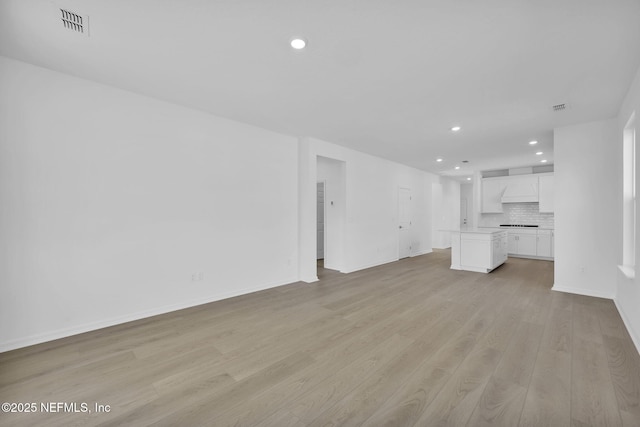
411,343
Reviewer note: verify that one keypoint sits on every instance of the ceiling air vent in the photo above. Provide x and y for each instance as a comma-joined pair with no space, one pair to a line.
75,22
559,107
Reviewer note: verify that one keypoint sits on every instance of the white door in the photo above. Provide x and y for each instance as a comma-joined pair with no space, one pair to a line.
404,222
463,212
320,220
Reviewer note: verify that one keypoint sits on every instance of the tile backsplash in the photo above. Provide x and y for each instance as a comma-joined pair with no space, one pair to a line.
518,213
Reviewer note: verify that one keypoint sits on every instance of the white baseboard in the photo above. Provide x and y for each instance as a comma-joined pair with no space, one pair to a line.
627,324
365,266
424,252
92,326
543,258
580,291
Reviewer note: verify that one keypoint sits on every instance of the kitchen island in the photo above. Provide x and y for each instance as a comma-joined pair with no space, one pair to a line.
478,249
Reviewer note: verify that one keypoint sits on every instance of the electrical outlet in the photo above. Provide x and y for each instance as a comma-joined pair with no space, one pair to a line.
201,276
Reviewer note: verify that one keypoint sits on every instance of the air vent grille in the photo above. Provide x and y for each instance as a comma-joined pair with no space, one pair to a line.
559,107
75,22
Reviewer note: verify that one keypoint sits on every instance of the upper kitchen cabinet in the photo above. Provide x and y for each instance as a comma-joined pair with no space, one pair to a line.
546,194
492,189
529,188
520,189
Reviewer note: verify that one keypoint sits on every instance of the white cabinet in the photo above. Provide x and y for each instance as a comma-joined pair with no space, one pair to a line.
527,244
543,245
531,243
523,242
478,250
516,189
513,243
546,193
499,250
475,251
492,189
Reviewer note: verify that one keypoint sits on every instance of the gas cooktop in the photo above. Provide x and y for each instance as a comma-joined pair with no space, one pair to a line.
518,225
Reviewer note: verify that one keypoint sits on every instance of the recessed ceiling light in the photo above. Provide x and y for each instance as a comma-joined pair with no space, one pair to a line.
457,167
298,43
455,128
439,159
543,161
469,179
539,153
533,142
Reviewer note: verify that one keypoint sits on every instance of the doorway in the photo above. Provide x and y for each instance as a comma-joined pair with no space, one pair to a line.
320,214
330,213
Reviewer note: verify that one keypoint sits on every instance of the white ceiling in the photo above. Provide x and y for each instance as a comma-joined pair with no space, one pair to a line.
384,77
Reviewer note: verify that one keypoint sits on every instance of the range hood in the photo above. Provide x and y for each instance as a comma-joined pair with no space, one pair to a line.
521,190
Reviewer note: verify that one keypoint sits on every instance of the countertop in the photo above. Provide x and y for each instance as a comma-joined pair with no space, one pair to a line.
478,230
520,228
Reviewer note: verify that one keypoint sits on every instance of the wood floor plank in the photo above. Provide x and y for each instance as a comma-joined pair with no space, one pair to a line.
208,407
357,346
610,321
593,399
276,323
309,406
562,301
406,343
558,331
281,418
409,401
163,406
366,398
256,358
502,400
500,404
548,401
586,323
407,404
519,357
458,398
624,363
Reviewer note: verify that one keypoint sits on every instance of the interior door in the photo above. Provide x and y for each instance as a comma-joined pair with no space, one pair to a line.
320,220
463,212
404,222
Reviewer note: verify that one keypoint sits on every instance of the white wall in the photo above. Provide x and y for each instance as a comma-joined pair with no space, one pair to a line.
628,289
110,201
371,228
587,208
445,210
